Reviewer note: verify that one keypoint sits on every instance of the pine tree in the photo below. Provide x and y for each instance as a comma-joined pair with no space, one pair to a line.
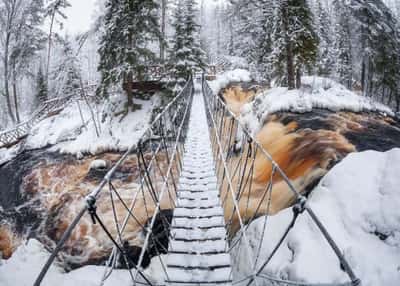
277,58
379,49
130,25
186,54
325,51
246,29
197,56
294,39
265,42
343,53
179,53
67,70
41,87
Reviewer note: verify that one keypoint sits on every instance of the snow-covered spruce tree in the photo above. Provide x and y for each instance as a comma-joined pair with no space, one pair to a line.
186,54
41,87
379,49
246,29
67,71
179,53
325,61
198,56
295,39
342,44
264,40
130,26
277,58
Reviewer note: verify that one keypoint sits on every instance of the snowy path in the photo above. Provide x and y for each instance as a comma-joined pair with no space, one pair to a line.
197,251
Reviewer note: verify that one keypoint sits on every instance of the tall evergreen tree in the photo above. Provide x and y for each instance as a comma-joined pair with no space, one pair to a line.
186,53
325,50
41,87
179,53
265,42
67,71
342,44
295,33
380,44
130,26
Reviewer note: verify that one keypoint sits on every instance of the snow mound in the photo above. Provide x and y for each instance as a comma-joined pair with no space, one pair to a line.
224,79
358,201
98,164
74,132
24,266
316,92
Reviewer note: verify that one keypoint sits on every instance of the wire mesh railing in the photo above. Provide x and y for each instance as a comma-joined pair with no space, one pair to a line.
251,184
21,130
138,215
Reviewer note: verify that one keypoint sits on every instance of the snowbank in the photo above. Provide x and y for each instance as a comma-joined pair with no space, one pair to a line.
315,93
25,264
7,154
358,201
224,79
68,134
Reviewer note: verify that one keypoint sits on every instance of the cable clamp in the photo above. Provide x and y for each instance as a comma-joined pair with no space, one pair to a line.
91,207
300,205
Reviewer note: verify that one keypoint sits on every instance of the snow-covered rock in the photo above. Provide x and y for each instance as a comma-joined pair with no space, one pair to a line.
316,92
224,79
358,201
98,164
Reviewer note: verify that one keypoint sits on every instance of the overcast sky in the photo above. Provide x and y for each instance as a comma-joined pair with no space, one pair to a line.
80,16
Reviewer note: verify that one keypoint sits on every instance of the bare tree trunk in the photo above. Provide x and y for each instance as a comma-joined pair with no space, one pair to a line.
49,47
298,77
15,94
6,69
163,28
389,102
289,49
128,87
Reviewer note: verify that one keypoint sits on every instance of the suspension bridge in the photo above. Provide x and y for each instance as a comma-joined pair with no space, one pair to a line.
205,179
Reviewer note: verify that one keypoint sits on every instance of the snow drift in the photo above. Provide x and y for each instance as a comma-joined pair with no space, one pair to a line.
358,201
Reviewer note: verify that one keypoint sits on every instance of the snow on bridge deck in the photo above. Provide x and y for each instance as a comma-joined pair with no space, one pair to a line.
198,247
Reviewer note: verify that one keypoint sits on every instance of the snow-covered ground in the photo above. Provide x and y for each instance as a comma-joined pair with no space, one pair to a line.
68,134
358,201
24,266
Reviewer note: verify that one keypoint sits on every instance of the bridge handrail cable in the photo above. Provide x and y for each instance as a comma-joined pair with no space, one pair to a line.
170,123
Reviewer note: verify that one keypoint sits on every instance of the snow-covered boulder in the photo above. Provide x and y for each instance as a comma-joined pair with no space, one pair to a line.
315,93
359,202
224,79
98,165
